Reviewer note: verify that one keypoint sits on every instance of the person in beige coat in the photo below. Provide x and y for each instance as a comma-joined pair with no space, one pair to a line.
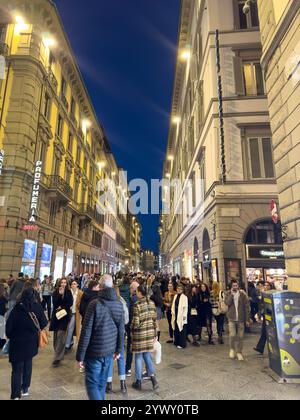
74,327
180,317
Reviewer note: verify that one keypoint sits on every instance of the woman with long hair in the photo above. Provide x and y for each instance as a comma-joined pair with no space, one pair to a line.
216,296
180,317
62,304
74,326
193,324
205,312
47,291
143,331
168,302
23,335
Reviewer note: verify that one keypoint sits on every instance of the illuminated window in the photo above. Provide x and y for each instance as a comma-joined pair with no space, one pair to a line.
253,79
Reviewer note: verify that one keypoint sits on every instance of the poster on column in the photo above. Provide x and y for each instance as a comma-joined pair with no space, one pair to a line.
46,257
29,258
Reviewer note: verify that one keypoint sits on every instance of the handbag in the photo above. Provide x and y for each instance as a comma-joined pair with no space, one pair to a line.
194,312
5,350
61,314
157,352
43,335
223,307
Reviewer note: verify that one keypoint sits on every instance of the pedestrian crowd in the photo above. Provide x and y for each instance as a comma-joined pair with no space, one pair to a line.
117,318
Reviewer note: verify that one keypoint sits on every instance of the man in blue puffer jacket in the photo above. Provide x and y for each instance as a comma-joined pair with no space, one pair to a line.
102,338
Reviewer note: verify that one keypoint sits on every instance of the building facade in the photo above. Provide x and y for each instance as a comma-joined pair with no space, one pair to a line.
280,33
148,261
55,153
133,244
219,225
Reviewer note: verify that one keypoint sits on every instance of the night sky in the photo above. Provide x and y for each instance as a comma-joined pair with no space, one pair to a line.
126,50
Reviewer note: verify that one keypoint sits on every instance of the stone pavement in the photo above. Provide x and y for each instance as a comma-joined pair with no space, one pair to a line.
203,373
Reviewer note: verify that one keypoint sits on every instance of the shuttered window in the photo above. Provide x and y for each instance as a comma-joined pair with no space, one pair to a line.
261,158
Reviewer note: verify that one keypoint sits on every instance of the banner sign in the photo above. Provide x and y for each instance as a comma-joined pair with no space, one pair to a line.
35,192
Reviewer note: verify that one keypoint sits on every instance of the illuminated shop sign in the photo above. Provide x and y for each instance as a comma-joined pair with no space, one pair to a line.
1,160
265,253
35,192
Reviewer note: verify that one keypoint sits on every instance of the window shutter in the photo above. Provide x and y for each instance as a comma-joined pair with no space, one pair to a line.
239,76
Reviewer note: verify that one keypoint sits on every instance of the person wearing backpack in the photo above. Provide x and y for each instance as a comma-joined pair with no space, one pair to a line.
217,299
101,339
23,336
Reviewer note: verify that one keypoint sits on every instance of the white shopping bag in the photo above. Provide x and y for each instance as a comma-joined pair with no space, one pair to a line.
157,352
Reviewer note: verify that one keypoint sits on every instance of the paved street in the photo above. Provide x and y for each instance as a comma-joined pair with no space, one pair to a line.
191,374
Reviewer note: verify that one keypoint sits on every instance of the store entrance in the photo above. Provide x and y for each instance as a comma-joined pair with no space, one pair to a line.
276,276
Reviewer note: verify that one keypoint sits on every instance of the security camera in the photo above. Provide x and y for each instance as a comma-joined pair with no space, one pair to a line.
247,6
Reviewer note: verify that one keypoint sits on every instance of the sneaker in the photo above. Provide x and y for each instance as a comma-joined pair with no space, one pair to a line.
258,351
170,342
25,393
232,354
179,348
128,373
240,357
146,377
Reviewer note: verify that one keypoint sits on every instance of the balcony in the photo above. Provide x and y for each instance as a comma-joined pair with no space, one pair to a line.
87,212
64,101
59,189
52,79
4,49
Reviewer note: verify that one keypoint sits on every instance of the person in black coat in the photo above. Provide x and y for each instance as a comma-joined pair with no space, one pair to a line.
23,338
205,312
88,296
62,300
193,324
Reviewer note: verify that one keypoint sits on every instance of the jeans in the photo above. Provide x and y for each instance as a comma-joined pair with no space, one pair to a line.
46,304
236,335
147,357
121,368
71,328
220,320
20,378
96,375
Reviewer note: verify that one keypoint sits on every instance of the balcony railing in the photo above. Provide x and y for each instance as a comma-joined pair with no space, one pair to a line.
88,211
64,100
52,79
4,49
57,183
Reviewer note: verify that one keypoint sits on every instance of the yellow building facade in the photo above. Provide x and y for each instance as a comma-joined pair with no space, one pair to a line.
280,34
54,150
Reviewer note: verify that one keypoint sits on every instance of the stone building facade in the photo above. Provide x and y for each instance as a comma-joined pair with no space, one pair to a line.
49,131
280,33
225,230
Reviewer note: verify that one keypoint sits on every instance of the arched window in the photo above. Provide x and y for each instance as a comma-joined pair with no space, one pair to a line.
206,241
264,232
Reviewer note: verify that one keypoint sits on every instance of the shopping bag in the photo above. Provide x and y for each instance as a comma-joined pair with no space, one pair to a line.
5,350
157,352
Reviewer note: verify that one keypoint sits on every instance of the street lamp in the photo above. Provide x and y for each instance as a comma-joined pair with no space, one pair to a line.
21,25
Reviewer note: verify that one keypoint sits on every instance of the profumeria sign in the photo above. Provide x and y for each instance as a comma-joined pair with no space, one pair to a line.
1,160
35,192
